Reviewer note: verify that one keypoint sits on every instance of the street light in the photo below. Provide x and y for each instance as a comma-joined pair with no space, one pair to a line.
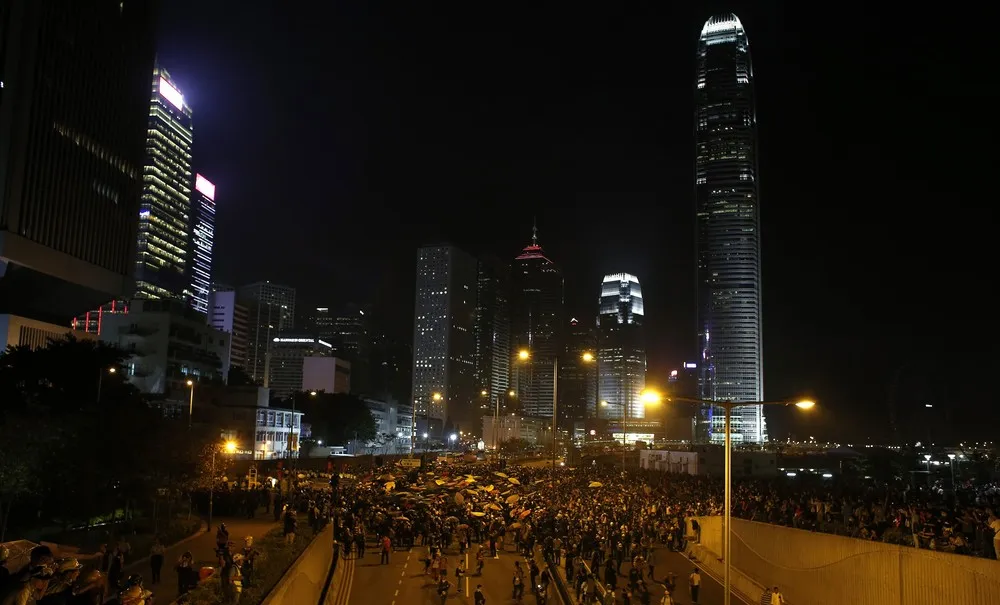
802,404
230,448
927,459
525,355
100,381
190,384
951,462
589,357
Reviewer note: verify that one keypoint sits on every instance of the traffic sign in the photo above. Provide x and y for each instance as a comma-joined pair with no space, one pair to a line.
410,463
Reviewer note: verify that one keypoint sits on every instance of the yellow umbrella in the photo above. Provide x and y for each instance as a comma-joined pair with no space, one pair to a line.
389,486
499,474
438,482
513,499
514,481
478,514
596,484
488,488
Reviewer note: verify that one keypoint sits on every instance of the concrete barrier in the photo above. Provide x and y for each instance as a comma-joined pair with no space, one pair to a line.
306,580
823,569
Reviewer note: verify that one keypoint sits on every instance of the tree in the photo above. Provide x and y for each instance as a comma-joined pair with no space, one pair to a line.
238,377
337,418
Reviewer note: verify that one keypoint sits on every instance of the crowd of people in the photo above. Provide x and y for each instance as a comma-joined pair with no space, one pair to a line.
591,521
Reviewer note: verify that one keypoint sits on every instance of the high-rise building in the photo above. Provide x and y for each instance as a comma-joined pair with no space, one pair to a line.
271,312
287,362
492,333
577,375
162,264
74,100
536,324
346,329
728,236
444,345
621,350
391,368
202,240
226,314
680,421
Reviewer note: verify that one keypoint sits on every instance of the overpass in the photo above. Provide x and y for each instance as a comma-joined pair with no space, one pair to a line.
822,569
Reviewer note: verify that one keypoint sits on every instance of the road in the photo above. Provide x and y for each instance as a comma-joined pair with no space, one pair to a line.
667,561
402,581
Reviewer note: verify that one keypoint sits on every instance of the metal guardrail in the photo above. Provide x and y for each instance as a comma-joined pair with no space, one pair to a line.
564,596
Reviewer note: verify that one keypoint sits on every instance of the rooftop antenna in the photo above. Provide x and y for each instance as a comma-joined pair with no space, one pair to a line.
534,231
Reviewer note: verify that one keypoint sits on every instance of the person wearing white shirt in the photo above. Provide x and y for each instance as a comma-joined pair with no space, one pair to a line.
776,597
694,583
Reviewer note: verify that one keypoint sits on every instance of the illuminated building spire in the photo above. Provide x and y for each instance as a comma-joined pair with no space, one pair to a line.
534,231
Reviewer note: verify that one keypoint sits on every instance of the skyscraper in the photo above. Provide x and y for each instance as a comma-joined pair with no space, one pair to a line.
444,345
621,352
271,312
346,328
492,332
202,240
577,376
164,242
74,100
728,236
536,324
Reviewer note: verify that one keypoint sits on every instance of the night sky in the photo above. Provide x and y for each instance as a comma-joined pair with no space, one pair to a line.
342,135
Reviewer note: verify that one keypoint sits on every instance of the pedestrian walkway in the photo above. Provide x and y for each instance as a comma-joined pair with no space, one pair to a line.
203,549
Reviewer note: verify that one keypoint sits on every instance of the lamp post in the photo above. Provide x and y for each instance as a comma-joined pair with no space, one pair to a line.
589,357
190,384
496,422
100,381
728,406
230,447
524,355
951,462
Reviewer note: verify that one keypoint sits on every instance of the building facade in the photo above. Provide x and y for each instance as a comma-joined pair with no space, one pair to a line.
163,253
394,426
578,374
391,368
227,315
287,363
170,343
621,351
327,374
92,321
202,242
444,345
492,333
728,230
536,324
346,328
74,102
271,309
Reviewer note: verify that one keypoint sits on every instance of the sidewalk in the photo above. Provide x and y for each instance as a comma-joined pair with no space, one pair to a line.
202,546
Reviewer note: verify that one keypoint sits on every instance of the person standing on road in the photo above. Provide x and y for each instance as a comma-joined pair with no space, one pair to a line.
776,597
156,559
694,582
386,546
479,597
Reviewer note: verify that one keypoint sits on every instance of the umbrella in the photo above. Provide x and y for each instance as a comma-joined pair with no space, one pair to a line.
513,499
438,482
390,485
451,519
596,484
493,506
478,514
499,474
488,488
463,526
513,480
459,499
647,490
525,513
539,481
386,478
515,525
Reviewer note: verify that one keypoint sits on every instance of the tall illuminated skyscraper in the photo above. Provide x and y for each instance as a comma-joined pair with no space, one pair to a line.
621,351
165,217
728,237
536,326
202,240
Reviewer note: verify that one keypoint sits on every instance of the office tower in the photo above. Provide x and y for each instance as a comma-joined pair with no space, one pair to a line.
226,314
728,236
92,322
391,368
345,327
444,345
164,242
74,99
287,363
202,240
621,350
680,420
577,374
492,334
536,322
271,310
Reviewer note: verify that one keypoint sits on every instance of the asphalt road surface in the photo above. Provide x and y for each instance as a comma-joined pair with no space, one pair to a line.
403,582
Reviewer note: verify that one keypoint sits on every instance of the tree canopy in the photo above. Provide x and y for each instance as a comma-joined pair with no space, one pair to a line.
336,418
78,439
